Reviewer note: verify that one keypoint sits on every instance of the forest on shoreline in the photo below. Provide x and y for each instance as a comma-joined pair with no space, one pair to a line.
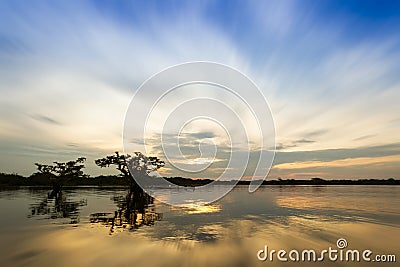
37,179
71,173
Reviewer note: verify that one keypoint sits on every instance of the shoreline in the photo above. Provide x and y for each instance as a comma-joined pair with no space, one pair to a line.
15,180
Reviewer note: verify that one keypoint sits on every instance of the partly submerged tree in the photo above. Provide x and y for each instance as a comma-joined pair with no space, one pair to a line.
131,166
133,208
59,172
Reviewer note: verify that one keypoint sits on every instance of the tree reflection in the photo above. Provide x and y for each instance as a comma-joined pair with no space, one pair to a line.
56,205
134,210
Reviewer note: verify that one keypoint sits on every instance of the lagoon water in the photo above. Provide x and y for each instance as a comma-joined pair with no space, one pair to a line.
110,227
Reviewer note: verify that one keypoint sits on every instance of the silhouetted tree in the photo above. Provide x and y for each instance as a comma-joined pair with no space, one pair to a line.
44,169
73,168
134,208
61,171
139,165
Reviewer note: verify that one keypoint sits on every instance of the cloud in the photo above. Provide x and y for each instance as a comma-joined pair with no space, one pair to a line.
364,137
361,162
353,162
77,65
82,67
304,141
327,155
201,135
316,133
45,119
293,144
281,146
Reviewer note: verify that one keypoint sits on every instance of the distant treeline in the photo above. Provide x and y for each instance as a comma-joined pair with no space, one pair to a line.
39,179
46,180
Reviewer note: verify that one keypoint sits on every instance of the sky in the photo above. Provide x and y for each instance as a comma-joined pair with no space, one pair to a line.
328,69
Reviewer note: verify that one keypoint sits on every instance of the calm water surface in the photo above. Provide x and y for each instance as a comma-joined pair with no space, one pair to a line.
114,227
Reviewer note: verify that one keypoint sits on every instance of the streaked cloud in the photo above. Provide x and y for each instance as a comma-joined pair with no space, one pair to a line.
338,163
45,119
68,70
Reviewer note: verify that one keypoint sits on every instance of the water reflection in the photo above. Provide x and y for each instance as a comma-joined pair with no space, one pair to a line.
349,203
225,233
57,205
134,210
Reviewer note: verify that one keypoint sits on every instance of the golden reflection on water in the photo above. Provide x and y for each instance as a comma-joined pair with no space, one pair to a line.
343,203
239,242
199,207
225,233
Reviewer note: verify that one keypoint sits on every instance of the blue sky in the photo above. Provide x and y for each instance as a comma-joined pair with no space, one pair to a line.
329,70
